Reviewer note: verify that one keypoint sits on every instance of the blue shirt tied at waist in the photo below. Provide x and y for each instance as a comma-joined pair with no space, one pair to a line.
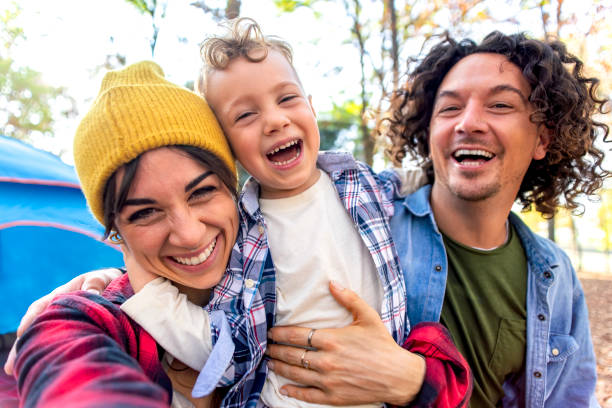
560,362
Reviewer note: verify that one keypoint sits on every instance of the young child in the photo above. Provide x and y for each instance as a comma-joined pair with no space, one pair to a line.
306,218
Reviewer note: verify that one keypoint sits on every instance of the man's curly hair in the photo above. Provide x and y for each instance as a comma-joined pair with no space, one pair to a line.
564,101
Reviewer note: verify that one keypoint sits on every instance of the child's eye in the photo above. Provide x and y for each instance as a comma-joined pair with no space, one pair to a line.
202,191
287,98
243,116
142,214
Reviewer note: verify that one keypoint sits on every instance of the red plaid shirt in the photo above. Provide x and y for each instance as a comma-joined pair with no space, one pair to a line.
83,351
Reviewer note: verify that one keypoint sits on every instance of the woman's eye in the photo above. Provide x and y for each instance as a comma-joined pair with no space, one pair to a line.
142,214
202,191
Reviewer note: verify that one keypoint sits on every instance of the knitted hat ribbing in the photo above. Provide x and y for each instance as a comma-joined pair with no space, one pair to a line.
138,110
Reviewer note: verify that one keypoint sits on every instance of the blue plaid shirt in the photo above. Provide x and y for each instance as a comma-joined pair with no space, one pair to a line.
247,294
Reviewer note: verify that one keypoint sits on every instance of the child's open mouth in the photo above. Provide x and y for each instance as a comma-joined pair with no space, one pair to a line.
286,153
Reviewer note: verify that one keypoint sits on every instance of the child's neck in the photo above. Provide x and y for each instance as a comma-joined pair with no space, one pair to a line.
276,192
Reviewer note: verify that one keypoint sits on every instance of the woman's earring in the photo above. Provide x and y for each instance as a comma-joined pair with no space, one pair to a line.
115,238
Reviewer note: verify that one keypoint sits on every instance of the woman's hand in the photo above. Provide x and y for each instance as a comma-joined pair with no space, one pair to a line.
94,281
137,273
356,364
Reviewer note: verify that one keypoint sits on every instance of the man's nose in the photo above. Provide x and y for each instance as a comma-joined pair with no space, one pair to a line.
472,119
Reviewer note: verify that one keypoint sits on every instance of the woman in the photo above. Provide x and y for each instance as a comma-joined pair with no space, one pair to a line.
157,172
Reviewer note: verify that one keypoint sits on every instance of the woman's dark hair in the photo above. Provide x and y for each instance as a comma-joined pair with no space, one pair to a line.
115,200
564,101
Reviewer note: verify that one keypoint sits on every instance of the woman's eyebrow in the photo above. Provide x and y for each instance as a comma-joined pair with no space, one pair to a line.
197,180
139,201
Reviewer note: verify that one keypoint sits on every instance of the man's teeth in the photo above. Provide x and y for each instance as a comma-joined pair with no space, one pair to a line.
285,146
196,260
469,152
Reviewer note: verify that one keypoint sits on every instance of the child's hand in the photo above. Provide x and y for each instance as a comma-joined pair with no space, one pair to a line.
138,274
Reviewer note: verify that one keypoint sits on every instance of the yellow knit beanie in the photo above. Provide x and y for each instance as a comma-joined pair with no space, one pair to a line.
138,110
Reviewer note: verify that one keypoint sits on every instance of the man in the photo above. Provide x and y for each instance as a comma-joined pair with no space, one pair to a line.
509,119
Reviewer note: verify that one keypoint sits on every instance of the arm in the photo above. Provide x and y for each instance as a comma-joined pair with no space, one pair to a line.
82,351
94,282
361,363
179,326
398,182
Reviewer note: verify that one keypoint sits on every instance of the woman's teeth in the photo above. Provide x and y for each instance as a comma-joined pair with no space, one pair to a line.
196,260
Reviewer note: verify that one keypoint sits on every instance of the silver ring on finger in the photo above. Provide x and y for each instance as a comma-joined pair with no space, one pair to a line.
310,334
305,363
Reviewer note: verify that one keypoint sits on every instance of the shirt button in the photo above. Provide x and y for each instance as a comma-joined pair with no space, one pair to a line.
249,283
541,317
438,268
260,228
555,352
537,374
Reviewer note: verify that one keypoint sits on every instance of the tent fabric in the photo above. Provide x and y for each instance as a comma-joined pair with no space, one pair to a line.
47,234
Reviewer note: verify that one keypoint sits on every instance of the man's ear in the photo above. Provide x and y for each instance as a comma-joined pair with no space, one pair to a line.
544,138
312,107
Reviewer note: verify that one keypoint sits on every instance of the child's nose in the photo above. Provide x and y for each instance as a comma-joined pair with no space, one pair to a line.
275,121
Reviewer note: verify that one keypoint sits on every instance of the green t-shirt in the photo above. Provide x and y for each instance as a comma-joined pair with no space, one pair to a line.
485,310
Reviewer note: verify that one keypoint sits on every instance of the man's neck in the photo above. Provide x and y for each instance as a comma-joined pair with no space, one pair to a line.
477,224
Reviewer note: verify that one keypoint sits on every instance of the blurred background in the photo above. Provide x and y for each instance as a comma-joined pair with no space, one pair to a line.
350,55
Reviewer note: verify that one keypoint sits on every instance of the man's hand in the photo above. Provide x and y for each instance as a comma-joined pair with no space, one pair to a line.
356,364
94,281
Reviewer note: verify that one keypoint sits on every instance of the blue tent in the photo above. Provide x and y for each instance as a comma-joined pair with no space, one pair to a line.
47,234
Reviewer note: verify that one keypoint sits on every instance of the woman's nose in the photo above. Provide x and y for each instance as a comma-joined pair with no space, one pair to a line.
187,230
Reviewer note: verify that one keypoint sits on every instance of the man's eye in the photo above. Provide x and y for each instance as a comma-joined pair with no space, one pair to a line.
501,105
202,191
142,214
448,109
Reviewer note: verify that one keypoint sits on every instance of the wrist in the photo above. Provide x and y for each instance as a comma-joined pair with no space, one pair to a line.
412,367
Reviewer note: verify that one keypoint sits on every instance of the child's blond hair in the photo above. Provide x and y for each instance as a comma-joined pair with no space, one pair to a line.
242,38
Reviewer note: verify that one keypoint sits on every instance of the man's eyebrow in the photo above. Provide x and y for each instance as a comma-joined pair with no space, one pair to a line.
197,180
506,87
450,93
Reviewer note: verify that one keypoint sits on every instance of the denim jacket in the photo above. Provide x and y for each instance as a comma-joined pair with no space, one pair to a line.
560,369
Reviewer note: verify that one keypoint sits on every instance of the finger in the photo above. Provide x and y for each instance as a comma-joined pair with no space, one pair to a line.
359,308
298,374
9,366
291,355
36,308
308,394
97,281
291,335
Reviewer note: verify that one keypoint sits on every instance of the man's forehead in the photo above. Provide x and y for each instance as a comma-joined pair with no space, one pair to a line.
484,70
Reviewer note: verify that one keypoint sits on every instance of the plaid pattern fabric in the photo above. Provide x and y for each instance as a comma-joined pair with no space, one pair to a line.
84,351
247,292
448,378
